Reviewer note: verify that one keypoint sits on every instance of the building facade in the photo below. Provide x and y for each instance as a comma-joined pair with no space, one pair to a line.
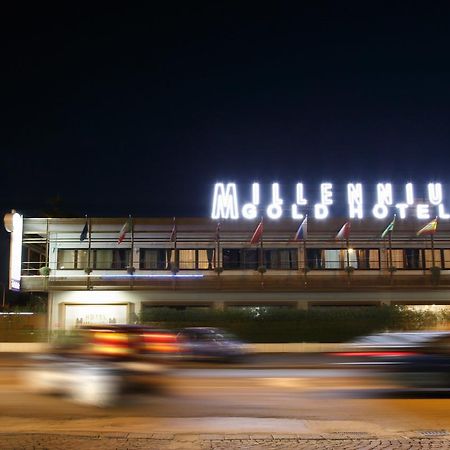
109,270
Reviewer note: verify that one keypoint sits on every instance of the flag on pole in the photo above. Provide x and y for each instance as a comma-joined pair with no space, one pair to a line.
302,232
429,228
125,229
257,234
389,228
84,232
344,232
218,232
173,234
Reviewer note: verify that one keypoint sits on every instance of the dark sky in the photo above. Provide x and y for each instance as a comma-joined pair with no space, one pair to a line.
139,110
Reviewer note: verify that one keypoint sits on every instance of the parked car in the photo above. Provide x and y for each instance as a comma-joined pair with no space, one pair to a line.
412,359
208,343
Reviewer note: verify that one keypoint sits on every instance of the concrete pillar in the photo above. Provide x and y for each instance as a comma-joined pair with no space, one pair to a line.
134,311
302,304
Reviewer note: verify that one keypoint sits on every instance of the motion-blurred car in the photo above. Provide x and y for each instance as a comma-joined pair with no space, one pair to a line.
412,359
208,343
100,362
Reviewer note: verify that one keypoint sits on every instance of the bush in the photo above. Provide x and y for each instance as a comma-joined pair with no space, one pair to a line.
276,324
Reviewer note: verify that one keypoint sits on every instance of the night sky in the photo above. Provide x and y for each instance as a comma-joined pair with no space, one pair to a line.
139,110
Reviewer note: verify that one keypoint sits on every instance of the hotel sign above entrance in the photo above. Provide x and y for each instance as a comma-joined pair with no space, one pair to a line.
380,202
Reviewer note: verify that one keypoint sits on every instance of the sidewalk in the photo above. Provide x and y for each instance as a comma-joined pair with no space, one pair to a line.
163,441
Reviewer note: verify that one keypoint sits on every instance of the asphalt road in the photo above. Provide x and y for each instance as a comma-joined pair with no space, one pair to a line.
303,399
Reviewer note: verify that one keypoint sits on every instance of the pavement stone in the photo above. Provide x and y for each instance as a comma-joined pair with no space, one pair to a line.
165,441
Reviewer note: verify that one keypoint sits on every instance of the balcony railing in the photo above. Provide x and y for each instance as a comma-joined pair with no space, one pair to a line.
249,280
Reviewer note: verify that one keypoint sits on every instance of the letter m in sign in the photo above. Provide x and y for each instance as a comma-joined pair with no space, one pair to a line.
225,205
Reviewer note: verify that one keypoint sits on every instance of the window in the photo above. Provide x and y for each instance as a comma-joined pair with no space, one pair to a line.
413,258
398,258
187,259
446,258
314,258
66,259
73,259
365,258
282,259
153,259
102,259
274,259
240,258
111,259
429,258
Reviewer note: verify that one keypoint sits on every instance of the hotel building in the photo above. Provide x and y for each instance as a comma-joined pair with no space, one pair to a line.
91,277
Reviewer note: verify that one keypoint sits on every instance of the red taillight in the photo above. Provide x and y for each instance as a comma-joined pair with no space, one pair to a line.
378,354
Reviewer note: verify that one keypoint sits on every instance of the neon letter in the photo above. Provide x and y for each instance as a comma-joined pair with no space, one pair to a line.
320,211
225,202
435,193
380,211
409,194
326,194
295,214
442,214
249,210
402,209
423,211
384,193
300,199
355,200
274,210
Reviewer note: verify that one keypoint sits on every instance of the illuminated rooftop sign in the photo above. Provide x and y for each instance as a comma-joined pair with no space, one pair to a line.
380,201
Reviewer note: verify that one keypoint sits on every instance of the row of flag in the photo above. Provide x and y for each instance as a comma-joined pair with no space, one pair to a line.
301,234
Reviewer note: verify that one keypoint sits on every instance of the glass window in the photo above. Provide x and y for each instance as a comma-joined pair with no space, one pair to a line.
429,258
337,258
398,258
66,259
314,258
121,259
205,259
187,259
331,259
103,259
72,259
413,258
282,259
231,258
239,259
82,259
153,259
446,258
366,259
115,259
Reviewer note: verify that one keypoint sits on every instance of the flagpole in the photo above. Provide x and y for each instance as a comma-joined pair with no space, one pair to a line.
89,242
175,242
348,254
217,258
262,247
89,270
132,242
432,250
390,251
305,259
